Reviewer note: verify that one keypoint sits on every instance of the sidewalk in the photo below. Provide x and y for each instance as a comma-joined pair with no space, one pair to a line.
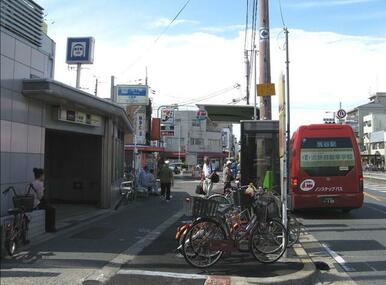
135,245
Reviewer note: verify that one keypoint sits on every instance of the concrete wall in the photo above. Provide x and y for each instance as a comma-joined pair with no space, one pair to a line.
22,119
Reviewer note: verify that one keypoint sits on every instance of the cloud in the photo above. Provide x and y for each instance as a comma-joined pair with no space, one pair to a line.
221,29
325,68
325,3
164,22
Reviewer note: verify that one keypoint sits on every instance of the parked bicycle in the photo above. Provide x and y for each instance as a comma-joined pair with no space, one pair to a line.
16,230
232,196
127,192
212,234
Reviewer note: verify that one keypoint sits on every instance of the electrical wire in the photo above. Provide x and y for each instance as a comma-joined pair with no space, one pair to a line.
281,14
211,95
136,60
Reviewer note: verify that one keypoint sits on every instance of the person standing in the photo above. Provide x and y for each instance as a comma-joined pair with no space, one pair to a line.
227,175
208,172
40,199
166,178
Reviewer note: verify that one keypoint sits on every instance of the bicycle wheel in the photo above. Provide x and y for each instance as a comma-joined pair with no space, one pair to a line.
24,230
268,241
221,199
294,228
196,245
11,246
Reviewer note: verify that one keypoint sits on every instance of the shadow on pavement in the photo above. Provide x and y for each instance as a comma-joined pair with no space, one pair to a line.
161,256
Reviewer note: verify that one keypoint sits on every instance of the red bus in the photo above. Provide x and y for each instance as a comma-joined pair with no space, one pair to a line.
326,169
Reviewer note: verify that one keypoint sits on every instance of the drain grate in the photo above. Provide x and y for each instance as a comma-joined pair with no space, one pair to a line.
93,233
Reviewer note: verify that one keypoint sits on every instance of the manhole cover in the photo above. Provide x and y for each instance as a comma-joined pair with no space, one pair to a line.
93,233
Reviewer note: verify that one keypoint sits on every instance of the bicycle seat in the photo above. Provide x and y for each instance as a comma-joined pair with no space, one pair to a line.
15,211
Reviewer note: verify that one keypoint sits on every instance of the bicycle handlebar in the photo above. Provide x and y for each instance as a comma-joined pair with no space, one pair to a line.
10,188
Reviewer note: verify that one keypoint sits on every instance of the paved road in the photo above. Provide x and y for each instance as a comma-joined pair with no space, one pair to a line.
357,240
139,237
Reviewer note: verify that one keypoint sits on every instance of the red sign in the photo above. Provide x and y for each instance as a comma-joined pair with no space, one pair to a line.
201,115
167,133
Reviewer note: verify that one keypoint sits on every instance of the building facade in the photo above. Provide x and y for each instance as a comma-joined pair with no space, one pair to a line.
76,137
377,105
195,138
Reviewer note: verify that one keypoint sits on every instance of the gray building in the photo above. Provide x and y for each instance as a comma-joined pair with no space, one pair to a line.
195,139
377,105
76,137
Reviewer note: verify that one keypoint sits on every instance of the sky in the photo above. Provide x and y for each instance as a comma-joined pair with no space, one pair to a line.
337,49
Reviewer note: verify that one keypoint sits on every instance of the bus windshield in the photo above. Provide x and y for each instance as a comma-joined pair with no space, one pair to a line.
327,156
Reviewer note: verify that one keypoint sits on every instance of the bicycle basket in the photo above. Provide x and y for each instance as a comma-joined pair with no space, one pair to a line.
26,202
266,209
204,207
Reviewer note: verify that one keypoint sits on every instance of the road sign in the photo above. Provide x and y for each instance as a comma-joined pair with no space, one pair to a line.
341,114
267,89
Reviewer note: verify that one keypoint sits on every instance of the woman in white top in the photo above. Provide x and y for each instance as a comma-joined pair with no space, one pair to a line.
40,202
208,170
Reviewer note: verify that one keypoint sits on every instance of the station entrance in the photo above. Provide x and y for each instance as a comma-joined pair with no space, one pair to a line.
73,165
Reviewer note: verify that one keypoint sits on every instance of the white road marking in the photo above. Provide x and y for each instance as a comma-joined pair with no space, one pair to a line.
339,259
161,273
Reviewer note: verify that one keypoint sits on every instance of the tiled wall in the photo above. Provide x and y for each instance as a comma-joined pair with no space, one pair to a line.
22,131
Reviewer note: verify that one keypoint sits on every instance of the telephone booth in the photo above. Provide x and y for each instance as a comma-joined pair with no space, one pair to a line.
260,162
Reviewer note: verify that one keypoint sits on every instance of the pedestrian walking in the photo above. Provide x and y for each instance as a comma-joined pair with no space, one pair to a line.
165,175
208,172
227,175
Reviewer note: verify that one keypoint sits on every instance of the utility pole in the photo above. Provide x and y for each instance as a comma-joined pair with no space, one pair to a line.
265,64
112,94
96,87
247,66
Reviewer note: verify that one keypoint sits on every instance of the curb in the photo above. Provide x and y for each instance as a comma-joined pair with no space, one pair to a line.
305,276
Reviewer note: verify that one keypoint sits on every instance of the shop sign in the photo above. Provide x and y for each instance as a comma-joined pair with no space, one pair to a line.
132,94
167,116
80,50
77,117
140,130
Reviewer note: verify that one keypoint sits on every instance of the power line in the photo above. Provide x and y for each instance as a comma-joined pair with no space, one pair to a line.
211,95
136,60
281,14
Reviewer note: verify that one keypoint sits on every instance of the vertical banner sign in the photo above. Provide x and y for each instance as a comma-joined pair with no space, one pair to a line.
282,147
282,121
140,131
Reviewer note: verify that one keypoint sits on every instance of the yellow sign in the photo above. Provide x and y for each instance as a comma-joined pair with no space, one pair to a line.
267,89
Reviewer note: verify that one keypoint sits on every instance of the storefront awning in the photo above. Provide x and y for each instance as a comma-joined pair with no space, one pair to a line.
229,113
57,93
